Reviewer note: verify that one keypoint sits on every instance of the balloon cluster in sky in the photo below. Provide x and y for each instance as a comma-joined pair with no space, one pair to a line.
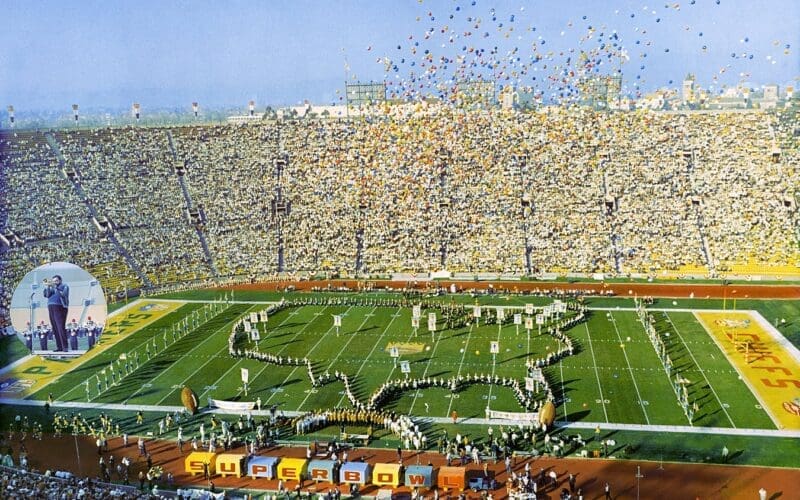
471,40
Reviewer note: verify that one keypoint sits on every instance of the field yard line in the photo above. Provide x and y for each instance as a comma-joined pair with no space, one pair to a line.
596,373
563,392
242,359
364,363
427,367
460,364
200,397
307,352
701,370
366,318
266,365
187,378
664,366
630,370
352,336
129,352
207,362
291,315
494,363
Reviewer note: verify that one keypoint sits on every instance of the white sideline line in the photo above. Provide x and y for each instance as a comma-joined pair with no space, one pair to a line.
703,372
723,431
776,335
630,370
563,392
199,301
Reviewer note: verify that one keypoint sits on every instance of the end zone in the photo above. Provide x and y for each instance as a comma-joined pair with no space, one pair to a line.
35,372
766,361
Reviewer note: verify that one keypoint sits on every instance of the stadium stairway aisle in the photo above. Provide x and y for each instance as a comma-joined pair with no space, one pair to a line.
94,213
181,174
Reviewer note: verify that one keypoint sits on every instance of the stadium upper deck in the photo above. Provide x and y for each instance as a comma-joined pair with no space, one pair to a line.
561,190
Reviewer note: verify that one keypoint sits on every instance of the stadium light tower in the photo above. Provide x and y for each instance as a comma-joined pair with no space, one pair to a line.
252,106
75,113
137,111
11,115
195,107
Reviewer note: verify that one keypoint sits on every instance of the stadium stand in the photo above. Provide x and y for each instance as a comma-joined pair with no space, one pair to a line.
17,483
561,190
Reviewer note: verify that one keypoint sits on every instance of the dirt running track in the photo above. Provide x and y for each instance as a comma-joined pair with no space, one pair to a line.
675,481
666,290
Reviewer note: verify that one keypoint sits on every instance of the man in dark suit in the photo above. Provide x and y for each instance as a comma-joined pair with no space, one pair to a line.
57,294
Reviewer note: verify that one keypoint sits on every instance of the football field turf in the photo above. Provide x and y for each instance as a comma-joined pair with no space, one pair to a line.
614,376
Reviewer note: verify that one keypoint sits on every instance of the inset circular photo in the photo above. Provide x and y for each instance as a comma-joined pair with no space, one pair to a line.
59,310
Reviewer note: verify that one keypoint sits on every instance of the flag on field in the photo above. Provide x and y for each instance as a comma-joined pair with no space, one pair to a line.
432,322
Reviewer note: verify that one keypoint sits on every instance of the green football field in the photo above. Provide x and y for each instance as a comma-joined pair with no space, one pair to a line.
614,375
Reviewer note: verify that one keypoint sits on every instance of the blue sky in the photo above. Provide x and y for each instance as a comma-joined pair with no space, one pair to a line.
170,53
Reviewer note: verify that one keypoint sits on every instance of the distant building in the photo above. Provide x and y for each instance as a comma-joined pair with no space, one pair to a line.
508,98
365,94
725,102
241,119
687,89
600,92
771,93
477,91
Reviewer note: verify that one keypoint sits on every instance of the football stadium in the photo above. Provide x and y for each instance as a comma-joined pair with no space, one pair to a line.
514,254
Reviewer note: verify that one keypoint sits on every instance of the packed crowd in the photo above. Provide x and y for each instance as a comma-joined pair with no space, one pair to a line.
21,484
560,189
